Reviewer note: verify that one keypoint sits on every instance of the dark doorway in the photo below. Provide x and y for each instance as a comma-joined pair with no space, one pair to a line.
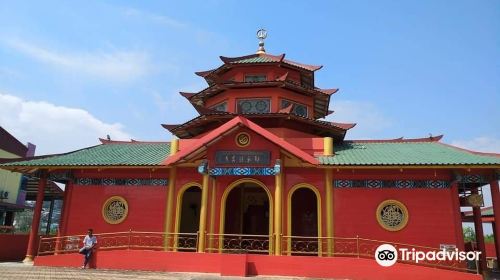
247,213
304,222
190,219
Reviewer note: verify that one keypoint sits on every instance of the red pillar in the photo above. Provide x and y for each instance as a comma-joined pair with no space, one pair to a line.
63,223
35,224
459,235
495,198
478,227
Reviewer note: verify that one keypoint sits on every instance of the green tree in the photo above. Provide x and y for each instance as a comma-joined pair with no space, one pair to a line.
469,234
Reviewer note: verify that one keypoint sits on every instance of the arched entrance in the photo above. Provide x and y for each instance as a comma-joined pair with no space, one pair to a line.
246,218
188,217
304,220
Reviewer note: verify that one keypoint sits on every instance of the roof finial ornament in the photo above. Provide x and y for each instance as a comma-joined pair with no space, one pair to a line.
261,35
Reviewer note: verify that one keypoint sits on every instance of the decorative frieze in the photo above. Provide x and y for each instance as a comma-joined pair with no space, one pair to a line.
120,182
242,171
471,179
401,184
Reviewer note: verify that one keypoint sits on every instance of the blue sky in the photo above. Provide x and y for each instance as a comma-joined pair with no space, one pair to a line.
73,71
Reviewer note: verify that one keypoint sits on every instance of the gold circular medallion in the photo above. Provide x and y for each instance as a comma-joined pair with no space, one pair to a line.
242,139
392,215
115,210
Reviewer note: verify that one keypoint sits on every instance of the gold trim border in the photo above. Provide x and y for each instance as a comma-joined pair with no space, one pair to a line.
398,203
107,202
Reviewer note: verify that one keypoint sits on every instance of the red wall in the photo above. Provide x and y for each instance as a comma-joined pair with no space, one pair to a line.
431,220
241,265
146,208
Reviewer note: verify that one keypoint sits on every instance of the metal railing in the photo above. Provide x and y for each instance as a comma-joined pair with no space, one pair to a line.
122,240
355,247
363,248
239,243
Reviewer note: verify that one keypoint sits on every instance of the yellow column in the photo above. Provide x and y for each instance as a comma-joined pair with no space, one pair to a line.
212,211
328,151
174,147
203,213
329,210
278,194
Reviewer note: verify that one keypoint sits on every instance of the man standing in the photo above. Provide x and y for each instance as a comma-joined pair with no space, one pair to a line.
88,245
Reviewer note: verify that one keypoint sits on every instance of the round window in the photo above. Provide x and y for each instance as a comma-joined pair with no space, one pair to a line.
115,210
392,215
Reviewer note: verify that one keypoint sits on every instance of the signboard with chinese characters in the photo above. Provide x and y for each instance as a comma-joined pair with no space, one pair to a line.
242,158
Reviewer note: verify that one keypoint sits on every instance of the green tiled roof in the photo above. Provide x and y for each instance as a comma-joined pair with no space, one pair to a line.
111,154
349,153
257,59
404,153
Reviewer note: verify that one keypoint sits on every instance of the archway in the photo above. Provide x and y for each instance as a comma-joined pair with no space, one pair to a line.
304,220
246,218
188,217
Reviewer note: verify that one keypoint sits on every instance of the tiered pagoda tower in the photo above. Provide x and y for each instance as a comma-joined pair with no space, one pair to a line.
277,94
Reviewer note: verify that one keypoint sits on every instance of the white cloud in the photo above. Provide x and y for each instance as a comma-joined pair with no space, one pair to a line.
370,120
479,144
54,129
160,19
116,66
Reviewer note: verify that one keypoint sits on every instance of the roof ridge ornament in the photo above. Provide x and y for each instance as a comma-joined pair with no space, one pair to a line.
261,35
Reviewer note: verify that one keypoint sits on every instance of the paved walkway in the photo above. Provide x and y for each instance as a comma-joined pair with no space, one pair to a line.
20,271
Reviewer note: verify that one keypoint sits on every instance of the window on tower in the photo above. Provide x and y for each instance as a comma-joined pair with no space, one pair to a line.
255,78
297,109
253,106
221,107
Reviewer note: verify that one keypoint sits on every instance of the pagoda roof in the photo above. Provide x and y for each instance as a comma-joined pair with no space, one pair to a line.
321,96
268,58
203,123
260,59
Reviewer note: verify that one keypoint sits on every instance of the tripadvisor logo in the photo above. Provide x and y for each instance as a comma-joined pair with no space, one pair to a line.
387,255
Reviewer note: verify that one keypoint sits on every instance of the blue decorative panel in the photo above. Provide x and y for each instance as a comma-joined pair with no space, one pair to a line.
248,106
343,183
120,182
402,184
242,171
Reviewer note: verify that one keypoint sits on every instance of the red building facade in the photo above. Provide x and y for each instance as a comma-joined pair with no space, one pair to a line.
260,172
